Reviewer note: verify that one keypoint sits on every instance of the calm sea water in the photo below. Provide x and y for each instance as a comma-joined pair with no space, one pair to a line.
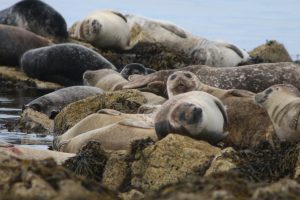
244,23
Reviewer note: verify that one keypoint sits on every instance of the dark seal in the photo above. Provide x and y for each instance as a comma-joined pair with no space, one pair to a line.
135,68
51,104
36,16
57,63
15,42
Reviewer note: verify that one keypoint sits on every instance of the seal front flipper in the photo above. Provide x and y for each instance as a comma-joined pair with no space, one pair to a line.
110,112
135,123
240,93
235,49
172,28
223,111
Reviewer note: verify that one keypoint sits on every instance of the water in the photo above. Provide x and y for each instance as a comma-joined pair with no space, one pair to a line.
244,23
11,102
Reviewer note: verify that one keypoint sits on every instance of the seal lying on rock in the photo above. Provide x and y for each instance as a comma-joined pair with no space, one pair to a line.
282,103
103,29
15,41
98,120
135,68
63,60
196,114
254,78
212,53
247,128
33,154
36,16
51,104
117,136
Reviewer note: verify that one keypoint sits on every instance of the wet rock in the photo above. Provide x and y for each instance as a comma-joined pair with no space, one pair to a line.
127,101
45,180
12,77
271,52
33,121
170,160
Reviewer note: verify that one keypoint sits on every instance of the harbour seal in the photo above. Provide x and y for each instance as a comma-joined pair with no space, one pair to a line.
36,16
98,120
254,78
196,114
114,137
135,68
106,79
282,102
62,61
51,104
203,51
33,154
15,42
103,29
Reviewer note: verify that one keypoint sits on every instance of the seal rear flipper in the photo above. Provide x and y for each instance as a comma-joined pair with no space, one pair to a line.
135,123
109,112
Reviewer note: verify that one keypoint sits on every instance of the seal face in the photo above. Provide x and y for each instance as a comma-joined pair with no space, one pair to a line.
15,42
135,68
51,104
36,16
196,114
103,29
67,60
181,82
282,103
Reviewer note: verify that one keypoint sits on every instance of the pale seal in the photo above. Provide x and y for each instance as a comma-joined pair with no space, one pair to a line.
103,29
106,79
135,68
65,61
282,103
203,51
15,42
114,137
36,16
196,114
52,103
254,78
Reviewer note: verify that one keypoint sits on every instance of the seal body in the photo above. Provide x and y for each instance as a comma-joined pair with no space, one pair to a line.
36,16
63,60
196,114
117,136
103,29
106,79
282,103
15,42
135,68
203,51
51,104
254,78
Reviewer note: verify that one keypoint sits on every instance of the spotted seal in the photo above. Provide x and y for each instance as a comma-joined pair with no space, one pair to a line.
196,114
282,102
135,68
36,16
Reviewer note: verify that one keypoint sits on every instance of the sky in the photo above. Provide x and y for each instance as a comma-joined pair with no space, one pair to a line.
245,23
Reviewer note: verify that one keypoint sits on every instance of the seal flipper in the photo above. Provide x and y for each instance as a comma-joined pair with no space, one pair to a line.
240,93
5,144
135,123
223,111
172,28
109,112
120,15
235,49
162,128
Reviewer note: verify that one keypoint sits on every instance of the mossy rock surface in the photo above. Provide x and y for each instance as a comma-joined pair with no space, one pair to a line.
127,101
271,52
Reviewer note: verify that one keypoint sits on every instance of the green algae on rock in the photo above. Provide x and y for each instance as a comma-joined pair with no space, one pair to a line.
127,101
271,52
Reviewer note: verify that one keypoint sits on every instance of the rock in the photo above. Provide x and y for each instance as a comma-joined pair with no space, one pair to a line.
127,101
34,121
45,180
170,160
12,77
271,52
132,195
283,189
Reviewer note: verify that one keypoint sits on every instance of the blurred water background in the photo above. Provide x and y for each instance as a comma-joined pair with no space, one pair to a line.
244,23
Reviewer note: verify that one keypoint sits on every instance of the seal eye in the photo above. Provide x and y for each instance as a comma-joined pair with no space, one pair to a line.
188,75
173,77
268,91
